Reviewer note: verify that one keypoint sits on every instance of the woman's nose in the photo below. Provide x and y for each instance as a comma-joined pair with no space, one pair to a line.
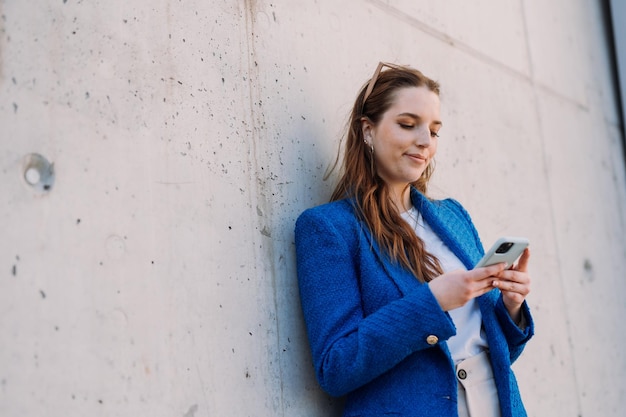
423,136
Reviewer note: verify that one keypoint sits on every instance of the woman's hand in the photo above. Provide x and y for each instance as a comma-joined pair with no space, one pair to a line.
454,289
514,284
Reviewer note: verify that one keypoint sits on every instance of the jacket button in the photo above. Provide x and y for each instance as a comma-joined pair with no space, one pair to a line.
462,374
432,339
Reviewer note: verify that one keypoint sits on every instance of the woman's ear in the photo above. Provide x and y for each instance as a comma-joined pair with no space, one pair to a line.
366,128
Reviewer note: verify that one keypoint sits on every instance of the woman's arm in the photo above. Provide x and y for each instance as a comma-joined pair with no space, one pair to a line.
514,285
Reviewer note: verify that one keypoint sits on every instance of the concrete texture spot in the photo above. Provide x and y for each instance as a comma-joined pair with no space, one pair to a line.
589,273
115,247
192,411
118,318
262,20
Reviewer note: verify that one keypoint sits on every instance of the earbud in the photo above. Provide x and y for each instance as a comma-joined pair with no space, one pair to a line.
368,141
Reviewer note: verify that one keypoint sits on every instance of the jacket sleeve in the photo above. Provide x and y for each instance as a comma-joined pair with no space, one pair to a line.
350,349
516,336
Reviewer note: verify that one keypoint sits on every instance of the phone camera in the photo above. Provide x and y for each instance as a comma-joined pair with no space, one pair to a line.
504,248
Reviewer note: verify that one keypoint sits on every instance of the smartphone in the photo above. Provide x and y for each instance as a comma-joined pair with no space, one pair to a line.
506,249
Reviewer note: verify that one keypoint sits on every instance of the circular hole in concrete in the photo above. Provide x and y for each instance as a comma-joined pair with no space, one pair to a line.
38,172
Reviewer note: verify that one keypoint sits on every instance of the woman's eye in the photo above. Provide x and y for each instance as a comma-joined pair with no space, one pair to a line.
406,126
434,134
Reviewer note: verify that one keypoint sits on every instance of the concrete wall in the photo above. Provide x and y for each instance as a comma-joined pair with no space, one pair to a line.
156,275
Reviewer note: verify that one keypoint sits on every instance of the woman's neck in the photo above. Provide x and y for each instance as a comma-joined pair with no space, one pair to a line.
401,197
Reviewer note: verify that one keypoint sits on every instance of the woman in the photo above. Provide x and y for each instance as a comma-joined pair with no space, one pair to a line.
397,319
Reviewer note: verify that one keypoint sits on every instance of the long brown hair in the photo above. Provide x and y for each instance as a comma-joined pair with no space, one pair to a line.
360,182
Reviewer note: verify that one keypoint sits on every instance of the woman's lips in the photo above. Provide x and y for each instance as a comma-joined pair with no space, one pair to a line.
417,157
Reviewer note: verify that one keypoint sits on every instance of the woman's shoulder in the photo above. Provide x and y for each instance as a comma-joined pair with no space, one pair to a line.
452,205
331,228
444,206
452,211
338,214
334,209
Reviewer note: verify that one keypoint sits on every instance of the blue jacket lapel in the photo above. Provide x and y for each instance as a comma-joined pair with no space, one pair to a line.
455,232
445,222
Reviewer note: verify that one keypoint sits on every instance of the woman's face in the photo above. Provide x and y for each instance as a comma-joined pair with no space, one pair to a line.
405,138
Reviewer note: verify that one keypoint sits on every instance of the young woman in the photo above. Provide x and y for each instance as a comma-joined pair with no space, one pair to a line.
397,319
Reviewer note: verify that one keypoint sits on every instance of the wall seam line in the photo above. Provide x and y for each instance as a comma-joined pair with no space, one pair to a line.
544,160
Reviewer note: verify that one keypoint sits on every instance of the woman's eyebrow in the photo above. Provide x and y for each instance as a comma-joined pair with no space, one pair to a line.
417,117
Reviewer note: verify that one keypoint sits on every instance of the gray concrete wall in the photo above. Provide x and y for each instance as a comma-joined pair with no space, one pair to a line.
156,276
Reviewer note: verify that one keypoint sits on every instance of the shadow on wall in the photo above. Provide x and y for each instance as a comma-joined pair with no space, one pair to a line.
313,151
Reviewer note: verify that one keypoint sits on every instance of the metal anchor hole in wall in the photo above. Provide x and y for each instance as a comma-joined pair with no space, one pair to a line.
38,172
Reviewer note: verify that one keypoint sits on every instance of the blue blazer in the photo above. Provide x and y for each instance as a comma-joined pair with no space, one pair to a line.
378,335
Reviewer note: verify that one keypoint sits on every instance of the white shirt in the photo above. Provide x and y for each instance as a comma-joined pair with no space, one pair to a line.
470,338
